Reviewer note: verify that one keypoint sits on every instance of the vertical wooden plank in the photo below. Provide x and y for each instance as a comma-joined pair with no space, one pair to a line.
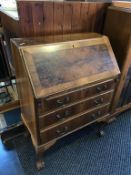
100,16
76,17
67,19
37,9
85,17
26,20
92,15
48,10
76,14
124,72
58,17
46,18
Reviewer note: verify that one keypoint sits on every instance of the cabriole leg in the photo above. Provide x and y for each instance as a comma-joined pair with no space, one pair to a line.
39,160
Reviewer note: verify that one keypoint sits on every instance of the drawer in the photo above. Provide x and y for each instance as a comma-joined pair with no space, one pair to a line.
64,99
69,111
80,121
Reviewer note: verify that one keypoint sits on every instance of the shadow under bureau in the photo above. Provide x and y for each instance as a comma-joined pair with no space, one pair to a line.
64,84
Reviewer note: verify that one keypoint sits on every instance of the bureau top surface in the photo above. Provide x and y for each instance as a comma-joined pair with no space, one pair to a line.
61,66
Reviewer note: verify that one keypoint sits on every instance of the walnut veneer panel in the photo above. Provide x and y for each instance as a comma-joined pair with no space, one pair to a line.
58,67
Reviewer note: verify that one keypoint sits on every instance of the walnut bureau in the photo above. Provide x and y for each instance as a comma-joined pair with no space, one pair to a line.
64,84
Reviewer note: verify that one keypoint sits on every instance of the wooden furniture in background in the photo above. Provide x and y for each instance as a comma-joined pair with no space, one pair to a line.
11,28
70,81
125,4
9,106
118,29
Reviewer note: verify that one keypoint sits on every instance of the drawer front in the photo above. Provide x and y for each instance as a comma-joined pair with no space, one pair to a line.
58,101
69,126
64,113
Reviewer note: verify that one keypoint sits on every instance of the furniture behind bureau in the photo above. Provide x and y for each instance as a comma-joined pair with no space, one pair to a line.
118,29
65,83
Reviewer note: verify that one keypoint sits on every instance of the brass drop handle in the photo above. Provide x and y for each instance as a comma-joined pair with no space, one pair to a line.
96,102
93,116
62,131
99,101
105,86
98,113
60,102
58,116
99,89
63,101
67,113
67,99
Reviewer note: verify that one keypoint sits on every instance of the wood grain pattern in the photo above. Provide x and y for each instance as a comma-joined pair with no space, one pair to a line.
48,17
60,17
27,104
73,109
38,21
118,34
76,17
73,96
74,123
26,18
85,17
67,20
122,82
51,75
119,38
71,64
125,4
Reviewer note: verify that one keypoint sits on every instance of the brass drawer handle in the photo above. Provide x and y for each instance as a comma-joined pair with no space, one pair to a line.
62,131
99,89
60,102
58,116
95,115
96,102
98,113
105,86
66,114
67,99
102,88
99,101
63,101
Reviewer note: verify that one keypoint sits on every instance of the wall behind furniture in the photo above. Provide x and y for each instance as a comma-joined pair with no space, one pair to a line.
48,17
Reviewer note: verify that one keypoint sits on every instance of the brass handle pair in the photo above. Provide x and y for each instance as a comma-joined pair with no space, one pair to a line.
99,101
95,115
66,113
62,131
101,88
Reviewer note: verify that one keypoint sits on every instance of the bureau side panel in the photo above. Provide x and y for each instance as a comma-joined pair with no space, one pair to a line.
26,96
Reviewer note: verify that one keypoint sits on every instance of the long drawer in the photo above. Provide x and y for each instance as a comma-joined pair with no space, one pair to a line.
71,110
57,101
77,122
